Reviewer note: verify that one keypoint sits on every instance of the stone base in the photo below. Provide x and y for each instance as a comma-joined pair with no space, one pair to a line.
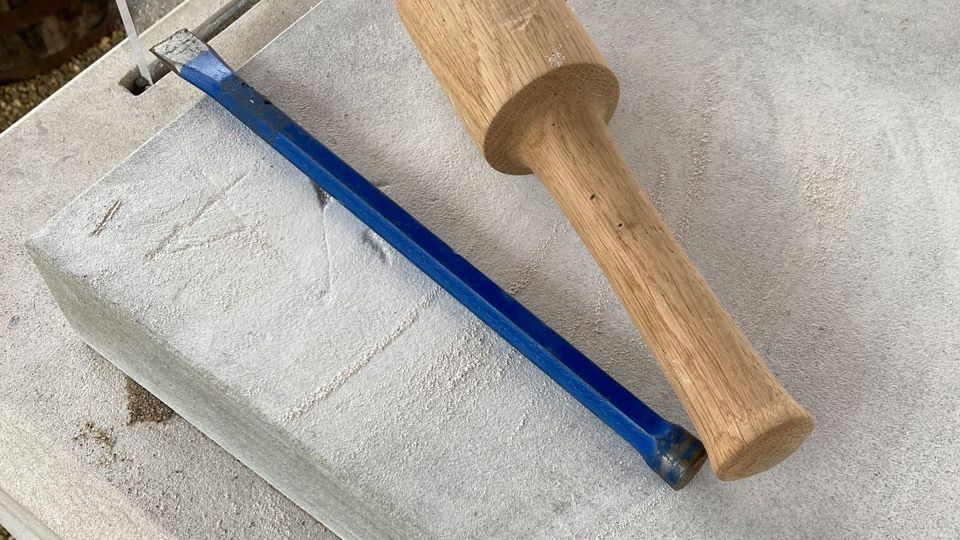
804,156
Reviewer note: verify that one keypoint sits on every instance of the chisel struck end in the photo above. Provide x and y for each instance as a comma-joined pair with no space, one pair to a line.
179,49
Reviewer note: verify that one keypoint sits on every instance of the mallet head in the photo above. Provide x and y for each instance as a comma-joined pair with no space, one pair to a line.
502,63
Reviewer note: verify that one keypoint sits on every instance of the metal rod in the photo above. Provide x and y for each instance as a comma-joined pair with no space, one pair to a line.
207,30
136,47
670,450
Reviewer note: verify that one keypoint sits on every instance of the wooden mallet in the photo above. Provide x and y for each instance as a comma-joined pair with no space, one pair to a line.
535,94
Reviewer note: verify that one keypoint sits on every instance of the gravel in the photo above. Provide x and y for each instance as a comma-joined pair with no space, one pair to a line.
16,99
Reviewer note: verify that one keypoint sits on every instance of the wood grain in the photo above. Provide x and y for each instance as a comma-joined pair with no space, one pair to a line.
535,94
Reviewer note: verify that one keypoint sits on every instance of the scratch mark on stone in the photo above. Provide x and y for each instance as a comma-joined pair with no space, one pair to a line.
183,287
112,211
323,200
378,245
337,382
322,197
206,241
169,238
178,228
324,219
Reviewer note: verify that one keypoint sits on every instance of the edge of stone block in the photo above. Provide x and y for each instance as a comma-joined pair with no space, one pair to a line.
279,459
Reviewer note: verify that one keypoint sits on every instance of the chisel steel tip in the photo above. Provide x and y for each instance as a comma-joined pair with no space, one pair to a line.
180,48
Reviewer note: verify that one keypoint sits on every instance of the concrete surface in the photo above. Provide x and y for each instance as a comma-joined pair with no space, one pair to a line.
804,152
57,475
39,491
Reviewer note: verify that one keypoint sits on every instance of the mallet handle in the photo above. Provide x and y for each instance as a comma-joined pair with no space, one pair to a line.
745,418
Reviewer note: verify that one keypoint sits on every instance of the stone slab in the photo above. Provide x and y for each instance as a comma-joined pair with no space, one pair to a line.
57,478
805,154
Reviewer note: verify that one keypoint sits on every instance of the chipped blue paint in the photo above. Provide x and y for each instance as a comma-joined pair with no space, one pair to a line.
670,450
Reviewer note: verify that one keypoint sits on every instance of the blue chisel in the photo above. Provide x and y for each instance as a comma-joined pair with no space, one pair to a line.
670,450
